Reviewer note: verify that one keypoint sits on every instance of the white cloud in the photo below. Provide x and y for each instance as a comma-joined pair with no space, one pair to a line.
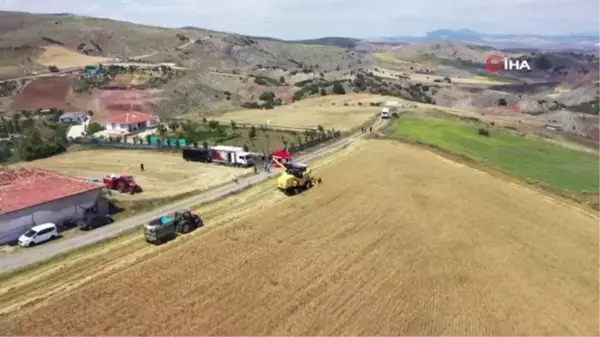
358,18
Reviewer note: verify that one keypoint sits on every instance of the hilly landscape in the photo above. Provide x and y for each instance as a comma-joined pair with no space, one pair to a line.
200,182
211,71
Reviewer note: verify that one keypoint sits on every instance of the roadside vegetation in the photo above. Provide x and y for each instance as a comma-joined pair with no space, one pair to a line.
262,139
31,135
533,160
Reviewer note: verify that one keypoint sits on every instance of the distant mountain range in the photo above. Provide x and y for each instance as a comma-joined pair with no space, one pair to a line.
573,42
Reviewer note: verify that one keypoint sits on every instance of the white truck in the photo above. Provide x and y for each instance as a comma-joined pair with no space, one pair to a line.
385,113
231,156
388,109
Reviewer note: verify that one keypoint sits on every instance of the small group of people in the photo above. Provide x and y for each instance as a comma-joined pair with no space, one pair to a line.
363,130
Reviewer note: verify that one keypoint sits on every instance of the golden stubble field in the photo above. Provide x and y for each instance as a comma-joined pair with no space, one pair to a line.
430,78
164,175
327,111
397,241
62,58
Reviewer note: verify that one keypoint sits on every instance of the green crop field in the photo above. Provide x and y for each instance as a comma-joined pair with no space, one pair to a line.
533,160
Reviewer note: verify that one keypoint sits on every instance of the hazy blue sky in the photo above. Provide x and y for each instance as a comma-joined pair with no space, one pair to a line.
355,18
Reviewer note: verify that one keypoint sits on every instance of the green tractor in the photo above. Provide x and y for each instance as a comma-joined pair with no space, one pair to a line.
166,228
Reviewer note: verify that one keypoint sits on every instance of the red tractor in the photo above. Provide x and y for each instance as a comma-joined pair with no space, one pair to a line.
123,183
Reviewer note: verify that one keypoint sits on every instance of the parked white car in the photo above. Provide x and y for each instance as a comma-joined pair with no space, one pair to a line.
38,234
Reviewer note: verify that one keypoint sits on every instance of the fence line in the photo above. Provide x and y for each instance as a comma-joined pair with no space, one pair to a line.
167,120
160,146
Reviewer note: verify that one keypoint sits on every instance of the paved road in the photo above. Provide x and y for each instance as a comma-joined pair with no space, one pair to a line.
45,252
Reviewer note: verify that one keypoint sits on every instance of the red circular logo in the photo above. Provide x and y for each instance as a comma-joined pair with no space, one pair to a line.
494,64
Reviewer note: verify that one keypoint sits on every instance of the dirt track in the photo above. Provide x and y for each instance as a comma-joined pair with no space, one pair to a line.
420,246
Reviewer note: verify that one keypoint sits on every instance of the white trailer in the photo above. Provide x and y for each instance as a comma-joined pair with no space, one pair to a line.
231,156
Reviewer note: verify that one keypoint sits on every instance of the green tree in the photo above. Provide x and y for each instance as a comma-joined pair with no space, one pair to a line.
213,125
162,130
252,133
17,122
33,146
267,105
148,139
10,128
314,89
5,152
93,128
323,92
298,95
281,80
27,123
233,125
338,89
267,96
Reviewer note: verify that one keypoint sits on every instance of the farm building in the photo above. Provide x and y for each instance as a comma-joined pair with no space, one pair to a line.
73,117
30,197
92,70
132,122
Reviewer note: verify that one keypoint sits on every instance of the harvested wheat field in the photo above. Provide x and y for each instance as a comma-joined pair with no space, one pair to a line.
64,58
423,246
328,111
165,174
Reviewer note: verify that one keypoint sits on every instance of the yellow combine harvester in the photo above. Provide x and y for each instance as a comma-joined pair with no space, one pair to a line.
296,178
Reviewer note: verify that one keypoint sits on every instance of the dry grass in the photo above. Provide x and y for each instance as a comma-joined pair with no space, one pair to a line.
165,174
133,79
62,58
448,257
310,113
428,78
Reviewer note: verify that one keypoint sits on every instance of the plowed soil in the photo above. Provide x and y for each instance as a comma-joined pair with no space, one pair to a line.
45,92
397,241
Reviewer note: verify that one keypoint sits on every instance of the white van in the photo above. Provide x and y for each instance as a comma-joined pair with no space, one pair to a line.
38,234
385,113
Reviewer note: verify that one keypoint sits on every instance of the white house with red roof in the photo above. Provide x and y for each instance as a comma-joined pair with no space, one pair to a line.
129,122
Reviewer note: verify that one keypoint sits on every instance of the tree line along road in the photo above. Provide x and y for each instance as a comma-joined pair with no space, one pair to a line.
46,252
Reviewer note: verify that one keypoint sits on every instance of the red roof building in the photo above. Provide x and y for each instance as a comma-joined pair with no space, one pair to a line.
132,122
25,188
